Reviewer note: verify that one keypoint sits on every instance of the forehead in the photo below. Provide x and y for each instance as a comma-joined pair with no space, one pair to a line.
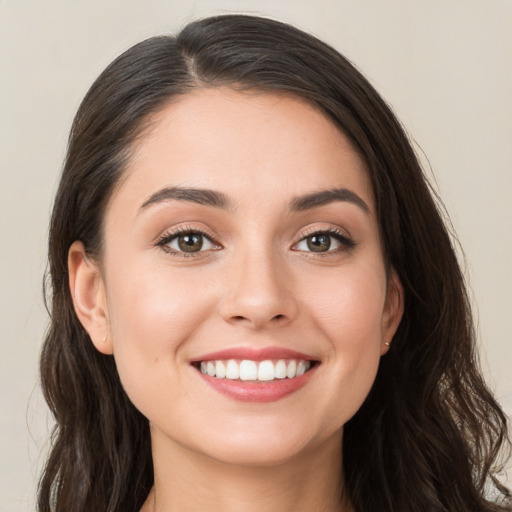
247,145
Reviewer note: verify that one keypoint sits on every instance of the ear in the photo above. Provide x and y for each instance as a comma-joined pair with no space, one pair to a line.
393,311
89,299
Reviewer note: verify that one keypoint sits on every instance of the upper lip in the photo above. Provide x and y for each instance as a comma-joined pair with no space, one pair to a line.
254,354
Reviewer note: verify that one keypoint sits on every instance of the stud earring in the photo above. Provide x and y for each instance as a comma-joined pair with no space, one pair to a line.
386,343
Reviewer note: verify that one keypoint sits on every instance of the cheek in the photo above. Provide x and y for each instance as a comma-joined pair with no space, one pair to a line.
349,306
156,306
151,316
348,312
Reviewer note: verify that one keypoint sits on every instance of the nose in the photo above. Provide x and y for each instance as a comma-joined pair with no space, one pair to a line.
259,293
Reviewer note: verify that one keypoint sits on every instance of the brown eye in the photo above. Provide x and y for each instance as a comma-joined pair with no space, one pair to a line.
324,242
188,242
318,243
191,242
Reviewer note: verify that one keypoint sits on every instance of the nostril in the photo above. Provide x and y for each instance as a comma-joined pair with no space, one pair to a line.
274,318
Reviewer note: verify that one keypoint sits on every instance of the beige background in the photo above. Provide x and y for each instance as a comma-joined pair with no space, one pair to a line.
445,66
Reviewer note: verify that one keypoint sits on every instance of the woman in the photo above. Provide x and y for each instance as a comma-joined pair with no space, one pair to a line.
255,301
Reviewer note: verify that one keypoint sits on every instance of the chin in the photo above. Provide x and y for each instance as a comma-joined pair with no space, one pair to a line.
265,446
268,454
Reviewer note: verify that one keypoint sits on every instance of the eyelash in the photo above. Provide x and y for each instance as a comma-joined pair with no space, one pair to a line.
169,236
346,243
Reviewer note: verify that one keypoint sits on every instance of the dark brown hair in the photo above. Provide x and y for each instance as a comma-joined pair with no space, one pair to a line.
428,436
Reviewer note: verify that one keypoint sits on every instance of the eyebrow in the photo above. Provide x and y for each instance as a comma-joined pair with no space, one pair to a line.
325,197
216,199
195,195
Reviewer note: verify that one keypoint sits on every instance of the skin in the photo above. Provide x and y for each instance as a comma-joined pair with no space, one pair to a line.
257,284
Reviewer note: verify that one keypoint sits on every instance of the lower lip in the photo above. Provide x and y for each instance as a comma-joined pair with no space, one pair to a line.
251,391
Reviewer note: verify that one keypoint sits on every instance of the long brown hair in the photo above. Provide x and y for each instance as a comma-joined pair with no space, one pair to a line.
429,435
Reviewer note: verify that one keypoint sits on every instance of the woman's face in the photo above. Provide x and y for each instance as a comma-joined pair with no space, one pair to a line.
244,238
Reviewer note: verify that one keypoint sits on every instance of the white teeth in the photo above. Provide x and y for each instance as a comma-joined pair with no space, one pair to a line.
266,370
263,371
291,371
210,368
248,370
220,370
281,369
301,368
233,370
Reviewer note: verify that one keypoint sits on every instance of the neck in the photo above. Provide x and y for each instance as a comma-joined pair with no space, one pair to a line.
186,480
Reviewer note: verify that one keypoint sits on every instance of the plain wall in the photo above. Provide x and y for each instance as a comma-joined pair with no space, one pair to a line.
445,66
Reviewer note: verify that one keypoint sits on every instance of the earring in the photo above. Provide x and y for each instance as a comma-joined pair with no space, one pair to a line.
386,343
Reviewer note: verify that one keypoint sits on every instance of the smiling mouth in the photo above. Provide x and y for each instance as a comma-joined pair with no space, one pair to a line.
248,370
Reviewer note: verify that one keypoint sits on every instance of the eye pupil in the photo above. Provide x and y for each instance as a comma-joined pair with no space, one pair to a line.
319,243
190,243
